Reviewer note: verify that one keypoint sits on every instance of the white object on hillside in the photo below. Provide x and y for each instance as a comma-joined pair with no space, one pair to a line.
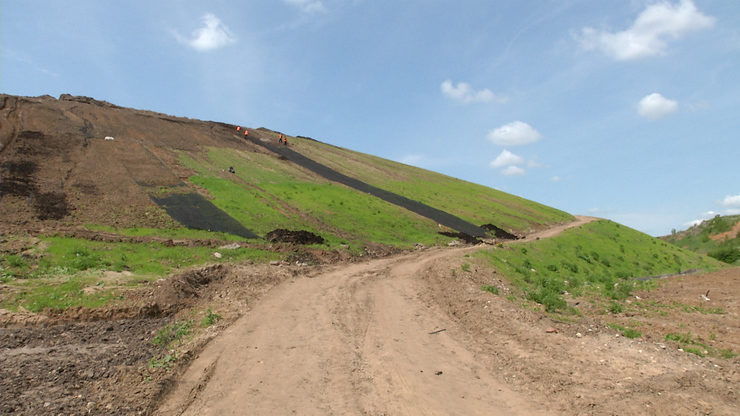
109,138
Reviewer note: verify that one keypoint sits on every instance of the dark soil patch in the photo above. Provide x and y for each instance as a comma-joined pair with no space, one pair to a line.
462,236
51,205
64,369
499,233
294,237
194,211
17,178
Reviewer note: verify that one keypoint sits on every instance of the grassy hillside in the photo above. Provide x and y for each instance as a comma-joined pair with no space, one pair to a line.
718,237
475,203
601,260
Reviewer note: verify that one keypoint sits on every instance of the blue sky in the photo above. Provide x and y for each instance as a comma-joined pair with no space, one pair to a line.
623,109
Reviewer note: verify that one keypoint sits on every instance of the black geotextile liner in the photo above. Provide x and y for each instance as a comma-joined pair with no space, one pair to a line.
194,211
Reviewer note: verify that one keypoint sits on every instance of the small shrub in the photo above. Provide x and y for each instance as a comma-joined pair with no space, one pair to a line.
465,267
616,307
210,318
549,298
725,254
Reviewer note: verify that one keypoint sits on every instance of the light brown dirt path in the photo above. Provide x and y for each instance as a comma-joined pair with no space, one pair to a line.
355,340
557,229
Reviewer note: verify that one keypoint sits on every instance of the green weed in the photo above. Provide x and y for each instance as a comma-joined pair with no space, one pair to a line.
172,333
210,318
490,289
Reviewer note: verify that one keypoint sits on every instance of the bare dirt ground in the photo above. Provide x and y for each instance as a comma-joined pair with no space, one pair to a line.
404,335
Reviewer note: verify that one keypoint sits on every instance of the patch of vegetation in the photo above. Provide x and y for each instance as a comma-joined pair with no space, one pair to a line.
171,233
465,267
725,254
173,333
37,295
626,332
601,259
61,274
210,318
703,238
695,346
490,289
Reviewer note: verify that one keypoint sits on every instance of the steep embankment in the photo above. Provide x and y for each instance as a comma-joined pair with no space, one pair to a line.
81,162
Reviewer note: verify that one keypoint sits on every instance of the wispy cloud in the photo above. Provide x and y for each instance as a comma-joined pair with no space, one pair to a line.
731,201
516,133
650,32
654,106
465,94
307,6
212,35
513,171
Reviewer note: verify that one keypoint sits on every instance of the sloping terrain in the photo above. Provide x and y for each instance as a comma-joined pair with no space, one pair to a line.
107,298
718,237
78,161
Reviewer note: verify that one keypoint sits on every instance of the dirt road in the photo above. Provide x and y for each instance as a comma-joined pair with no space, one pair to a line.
356,340
415,334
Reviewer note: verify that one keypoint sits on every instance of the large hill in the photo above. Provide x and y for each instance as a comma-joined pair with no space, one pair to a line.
131,240
79,162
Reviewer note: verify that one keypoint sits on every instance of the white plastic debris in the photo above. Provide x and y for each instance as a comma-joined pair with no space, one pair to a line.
109,138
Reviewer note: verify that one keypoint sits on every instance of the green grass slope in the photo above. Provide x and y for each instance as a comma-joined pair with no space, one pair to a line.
718,237
601,260
267,193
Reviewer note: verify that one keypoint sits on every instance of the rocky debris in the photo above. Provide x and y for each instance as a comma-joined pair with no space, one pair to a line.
282,235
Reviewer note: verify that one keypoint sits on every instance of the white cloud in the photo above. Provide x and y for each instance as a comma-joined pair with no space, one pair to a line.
731,201
515,133
506,158
464,93
650,32
654,106
212,35
307,6
513,171
556,179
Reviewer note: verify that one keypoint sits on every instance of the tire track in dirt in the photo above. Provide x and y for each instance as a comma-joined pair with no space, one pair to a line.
355,340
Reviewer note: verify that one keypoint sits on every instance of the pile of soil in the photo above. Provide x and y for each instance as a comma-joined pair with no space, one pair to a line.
282,235
499,232
462,236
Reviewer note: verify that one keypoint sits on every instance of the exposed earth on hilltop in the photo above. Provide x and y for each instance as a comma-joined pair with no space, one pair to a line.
407,334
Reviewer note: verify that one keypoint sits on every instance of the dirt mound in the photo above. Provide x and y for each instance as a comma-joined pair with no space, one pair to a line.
469,239
176,291
282,235
499,232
